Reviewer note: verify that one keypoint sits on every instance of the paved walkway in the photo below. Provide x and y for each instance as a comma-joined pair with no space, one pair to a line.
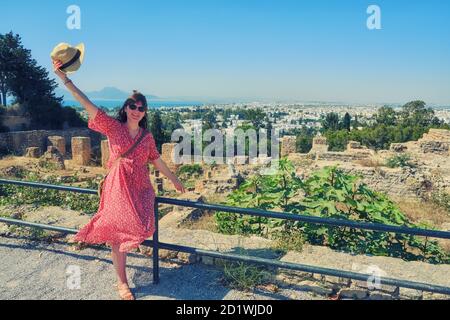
39,271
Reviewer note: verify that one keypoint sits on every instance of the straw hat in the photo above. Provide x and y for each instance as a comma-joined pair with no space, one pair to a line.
71,57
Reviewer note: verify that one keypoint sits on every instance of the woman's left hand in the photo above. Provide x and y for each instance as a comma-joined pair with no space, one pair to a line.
179,186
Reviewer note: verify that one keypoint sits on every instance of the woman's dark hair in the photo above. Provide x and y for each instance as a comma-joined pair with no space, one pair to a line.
135,97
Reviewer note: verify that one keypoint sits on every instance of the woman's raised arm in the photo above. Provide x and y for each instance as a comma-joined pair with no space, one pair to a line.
77,94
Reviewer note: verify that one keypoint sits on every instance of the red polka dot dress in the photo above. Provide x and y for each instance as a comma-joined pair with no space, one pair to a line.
125,215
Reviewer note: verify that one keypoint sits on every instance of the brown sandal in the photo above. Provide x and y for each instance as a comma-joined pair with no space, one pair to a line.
124,292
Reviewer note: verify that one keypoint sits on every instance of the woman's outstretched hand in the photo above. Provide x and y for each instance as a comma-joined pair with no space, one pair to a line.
179,186
56,65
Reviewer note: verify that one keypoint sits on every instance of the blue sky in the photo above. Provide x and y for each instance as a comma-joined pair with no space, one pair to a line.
276,50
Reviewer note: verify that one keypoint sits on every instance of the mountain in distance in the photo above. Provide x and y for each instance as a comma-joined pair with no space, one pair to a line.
107,93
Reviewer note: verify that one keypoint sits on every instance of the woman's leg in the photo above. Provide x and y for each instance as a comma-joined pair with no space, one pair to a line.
119,261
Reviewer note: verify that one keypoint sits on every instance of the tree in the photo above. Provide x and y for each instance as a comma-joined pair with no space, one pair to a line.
416,113
156,129
346,122
331,121
305,139
355,123
8,61
257,117
209,120
386,116
170,122
337,140
29,84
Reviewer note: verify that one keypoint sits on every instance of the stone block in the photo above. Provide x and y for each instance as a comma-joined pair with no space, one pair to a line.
104,150
354,293
188,258
81,150
313,286
410,294
33,152
59,143
288,145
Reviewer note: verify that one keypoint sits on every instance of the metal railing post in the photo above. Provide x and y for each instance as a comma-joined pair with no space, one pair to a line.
156,246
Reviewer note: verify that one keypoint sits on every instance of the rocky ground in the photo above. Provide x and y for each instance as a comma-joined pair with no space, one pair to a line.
41,271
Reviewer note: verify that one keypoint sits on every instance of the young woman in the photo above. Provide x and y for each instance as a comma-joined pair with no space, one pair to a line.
125,217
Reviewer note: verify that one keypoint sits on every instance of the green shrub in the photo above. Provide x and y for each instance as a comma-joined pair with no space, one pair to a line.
244,276
399,161
289,242
190,170
329,193
20,195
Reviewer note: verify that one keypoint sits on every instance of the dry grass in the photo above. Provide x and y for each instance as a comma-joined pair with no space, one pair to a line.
217,198
32,164
371,163
206,222
422,211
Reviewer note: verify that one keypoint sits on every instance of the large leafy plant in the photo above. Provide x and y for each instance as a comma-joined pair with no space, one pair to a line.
331,193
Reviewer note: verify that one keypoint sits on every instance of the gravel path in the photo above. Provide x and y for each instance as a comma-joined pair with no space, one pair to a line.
44,271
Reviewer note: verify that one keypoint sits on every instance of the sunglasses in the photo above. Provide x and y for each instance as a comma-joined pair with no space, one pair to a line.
133,107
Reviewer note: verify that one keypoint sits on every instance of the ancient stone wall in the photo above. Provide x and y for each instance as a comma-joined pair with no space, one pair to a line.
17,142
288,145
319,145
59,143
436,141
168,156
342,156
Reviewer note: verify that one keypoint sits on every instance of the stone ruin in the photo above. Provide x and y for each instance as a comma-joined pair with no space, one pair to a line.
53,155
436,141
319,145
430,153
168,156
398,147
319,151
104,150
33,152
59,143
432,147
288,145
56,151
81,151
218,183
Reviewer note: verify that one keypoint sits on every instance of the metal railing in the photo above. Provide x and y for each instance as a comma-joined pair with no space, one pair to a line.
156,245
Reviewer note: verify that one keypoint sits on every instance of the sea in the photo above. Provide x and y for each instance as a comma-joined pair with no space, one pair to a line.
111,104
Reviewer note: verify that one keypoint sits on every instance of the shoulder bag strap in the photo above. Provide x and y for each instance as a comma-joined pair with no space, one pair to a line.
144,133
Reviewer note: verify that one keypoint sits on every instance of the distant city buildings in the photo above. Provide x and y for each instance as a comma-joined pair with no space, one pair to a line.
283,116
